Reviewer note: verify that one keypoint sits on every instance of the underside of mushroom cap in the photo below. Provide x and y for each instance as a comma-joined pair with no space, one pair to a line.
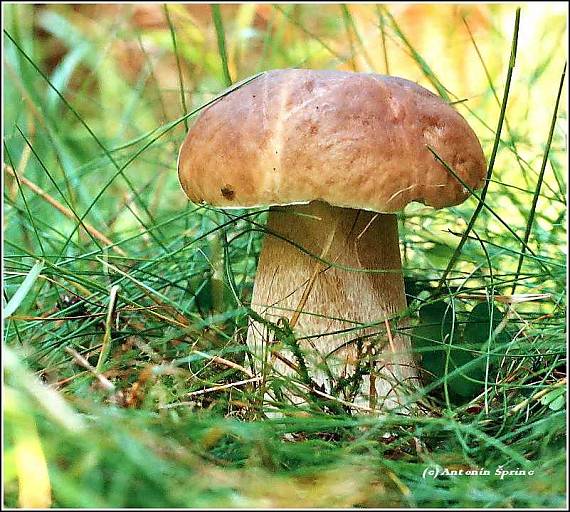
356,140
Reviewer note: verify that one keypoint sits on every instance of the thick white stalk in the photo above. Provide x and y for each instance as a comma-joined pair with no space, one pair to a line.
330,304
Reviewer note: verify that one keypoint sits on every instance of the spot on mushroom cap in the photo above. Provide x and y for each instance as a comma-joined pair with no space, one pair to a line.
356,140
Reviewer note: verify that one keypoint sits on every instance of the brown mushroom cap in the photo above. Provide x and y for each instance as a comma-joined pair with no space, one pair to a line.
355,140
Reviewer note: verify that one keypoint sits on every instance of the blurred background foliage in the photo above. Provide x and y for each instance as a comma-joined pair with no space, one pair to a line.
105,403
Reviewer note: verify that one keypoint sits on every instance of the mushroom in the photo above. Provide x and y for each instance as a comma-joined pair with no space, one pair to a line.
334,155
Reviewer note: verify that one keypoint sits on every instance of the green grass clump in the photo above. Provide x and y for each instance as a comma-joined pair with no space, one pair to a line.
127,376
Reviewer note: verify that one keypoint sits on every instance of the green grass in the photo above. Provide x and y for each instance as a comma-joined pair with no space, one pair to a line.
122,313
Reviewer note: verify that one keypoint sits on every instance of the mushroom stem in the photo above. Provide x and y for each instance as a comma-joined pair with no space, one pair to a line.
332,272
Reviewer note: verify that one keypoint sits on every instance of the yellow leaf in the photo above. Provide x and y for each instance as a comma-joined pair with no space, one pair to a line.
31,467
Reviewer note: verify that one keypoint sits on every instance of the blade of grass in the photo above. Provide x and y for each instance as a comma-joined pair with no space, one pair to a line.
220,34
540,180
490,297
178,67
383,36
351,24
346,19
26,206
495,95
181,85
107,338
35,490
25,156
483,195
23,290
